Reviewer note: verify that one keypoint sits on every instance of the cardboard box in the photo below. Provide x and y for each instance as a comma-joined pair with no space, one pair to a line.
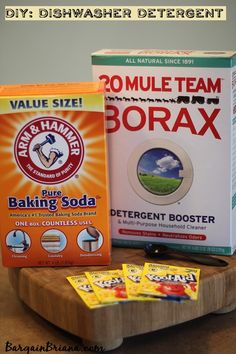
54,180
171,118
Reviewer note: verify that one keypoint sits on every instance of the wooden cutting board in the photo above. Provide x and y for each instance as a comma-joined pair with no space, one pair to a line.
47,291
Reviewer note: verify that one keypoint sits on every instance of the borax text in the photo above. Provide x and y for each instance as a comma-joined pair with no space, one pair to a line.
161,117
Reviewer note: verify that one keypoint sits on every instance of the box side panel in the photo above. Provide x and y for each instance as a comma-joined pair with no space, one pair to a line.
233,147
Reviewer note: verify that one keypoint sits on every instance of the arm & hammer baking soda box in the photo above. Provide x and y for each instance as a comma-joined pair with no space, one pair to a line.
171,123
54,195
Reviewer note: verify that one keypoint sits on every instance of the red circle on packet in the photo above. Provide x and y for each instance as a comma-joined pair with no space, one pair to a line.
172,289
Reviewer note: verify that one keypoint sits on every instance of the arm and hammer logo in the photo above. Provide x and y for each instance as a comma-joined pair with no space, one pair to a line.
49,150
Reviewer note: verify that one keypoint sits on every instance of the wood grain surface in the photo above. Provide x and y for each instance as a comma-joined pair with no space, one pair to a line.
47,291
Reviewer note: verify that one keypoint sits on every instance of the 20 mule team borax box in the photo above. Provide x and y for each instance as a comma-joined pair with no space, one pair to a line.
53,182
171,118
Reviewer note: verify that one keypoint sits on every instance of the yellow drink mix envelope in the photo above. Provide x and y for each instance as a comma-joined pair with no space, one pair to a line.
109,286
133,274
54,189
83,288
170,282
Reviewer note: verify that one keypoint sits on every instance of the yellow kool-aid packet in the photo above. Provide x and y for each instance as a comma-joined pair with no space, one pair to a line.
169,282
83,288
132,275
109,286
